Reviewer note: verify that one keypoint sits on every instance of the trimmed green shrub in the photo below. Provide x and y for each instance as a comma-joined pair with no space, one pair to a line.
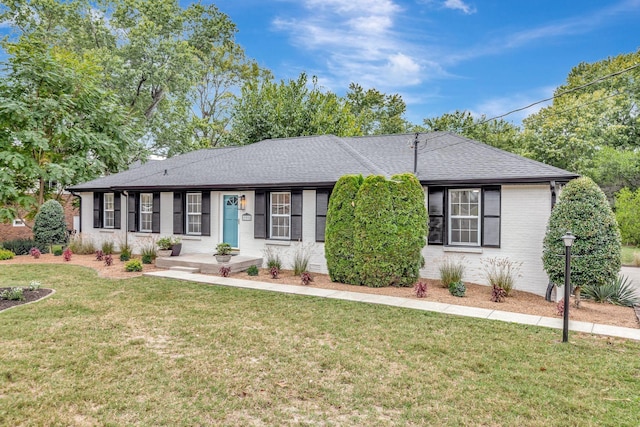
50,227
583,209
6,254
23,246
147,259
628,215
133,265
57,251
252,270
457,289
339,240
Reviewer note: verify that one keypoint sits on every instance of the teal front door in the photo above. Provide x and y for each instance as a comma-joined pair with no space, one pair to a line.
230,220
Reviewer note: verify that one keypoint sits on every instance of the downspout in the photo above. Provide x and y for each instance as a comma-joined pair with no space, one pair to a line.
126,219
550,286
76,195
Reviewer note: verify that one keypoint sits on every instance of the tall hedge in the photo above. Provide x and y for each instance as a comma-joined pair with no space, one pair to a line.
338,245
50,227
583,209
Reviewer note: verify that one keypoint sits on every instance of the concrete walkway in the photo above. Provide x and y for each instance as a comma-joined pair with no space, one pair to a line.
481,313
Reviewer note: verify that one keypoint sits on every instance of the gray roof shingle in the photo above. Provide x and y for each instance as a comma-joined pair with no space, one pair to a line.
321,160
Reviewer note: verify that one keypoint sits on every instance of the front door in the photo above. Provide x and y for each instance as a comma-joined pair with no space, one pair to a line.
230,220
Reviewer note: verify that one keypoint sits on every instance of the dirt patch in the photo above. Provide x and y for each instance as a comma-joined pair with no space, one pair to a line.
29,296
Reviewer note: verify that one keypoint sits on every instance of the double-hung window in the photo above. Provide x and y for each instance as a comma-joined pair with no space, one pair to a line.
464,217
109,210
146,212
194,213
280,216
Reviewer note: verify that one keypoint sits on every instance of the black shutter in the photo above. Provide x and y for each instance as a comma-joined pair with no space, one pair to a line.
117,216
296,215
178,213
205,215
436,216
491,216
155,215
97,210
322,204
260,215
132,211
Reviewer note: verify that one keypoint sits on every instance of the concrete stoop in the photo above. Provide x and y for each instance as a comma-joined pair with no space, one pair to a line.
203,263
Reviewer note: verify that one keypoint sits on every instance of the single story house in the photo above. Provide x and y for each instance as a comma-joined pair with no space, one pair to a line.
482,202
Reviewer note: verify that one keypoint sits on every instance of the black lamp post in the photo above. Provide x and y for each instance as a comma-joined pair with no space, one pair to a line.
568,239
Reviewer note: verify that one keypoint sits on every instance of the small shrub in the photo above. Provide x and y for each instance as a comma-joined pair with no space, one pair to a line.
301,259
108,260
306,278
501,272
498,294
133,265
147,259
57,251
12,294
457,289
99,255
125,256
81,245
560,308
451,270
420,289
34,285
35,252
617,292
23,246
108,247
6,254
225,271
67,254
275,272
252,270
273,257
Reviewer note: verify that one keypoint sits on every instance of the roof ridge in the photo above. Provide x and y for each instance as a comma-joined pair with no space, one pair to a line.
365,161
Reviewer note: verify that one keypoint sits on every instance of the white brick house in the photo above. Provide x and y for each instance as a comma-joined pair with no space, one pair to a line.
482,202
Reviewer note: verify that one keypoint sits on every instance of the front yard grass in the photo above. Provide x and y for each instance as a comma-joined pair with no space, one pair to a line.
149,351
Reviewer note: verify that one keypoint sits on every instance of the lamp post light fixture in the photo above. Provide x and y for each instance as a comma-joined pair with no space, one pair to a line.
568,239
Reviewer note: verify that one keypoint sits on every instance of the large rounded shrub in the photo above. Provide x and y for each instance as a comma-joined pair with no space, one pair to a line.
50,227
338,246
583,209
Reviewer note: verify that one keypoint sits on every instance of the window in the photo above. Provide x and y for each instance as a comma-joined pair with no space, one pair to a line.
194,213
280,218
464,217
146,212
109,211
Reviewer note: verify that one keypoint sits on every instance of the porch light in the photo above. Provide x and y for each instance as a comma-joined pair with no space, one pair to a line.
243,203
568,239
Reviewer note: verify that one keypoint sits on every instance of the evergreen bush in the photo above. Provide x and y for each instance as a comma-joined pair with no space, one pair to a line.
50,227
583,209
339,240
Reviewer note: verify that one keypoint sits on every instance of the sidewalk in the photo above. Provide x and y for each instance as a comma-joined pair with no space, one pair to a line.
481,313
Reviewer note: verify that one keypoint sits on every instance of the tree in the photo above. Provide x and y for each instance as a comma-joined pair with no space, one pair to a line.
583,209
595,108
628,215
50,227
377,113
497,133
58,126
615,168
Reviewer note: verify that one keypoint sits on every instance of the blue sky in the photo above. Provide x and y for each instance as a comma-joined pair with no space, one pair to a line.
488,57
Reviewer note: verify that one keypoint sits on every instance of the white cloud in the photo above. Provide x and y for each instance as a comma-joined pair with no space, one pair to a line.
494,107
459,5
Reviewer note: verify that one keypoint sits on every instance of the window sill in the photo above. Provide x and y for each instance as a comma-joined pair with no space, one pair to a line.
190,237
278,242
463,249
107,230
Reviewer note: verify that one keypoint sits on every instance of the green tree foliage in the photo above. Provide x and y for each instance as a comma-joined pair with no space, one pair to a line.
58,125
585,117
377,113
384,229
50,227
268,109
583,209
497,133
339,240
615,168
628,215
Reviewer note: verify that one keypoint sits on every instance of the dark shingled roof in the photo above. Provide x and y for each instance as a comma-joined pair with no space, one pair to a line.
443,158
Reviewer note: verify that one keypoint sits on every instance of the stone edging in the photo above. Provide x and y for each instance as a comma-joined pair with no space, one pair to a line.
53,291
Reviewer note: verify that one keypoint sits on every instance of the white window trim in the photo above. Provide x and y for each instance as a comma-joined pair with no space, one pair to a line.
478,217
193,214
112,210
272,215
143,212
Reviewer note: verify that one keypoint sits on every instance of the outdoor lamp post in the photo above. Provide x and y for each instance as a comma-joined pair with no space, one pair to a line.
568,239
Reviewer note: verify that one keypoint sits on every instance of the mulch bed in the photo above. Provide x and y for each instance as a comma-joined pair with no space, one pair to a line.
29,296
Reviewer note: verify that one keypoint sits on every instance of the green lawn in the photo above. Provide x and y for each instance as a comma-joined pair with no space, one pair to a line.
160,352
628,257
